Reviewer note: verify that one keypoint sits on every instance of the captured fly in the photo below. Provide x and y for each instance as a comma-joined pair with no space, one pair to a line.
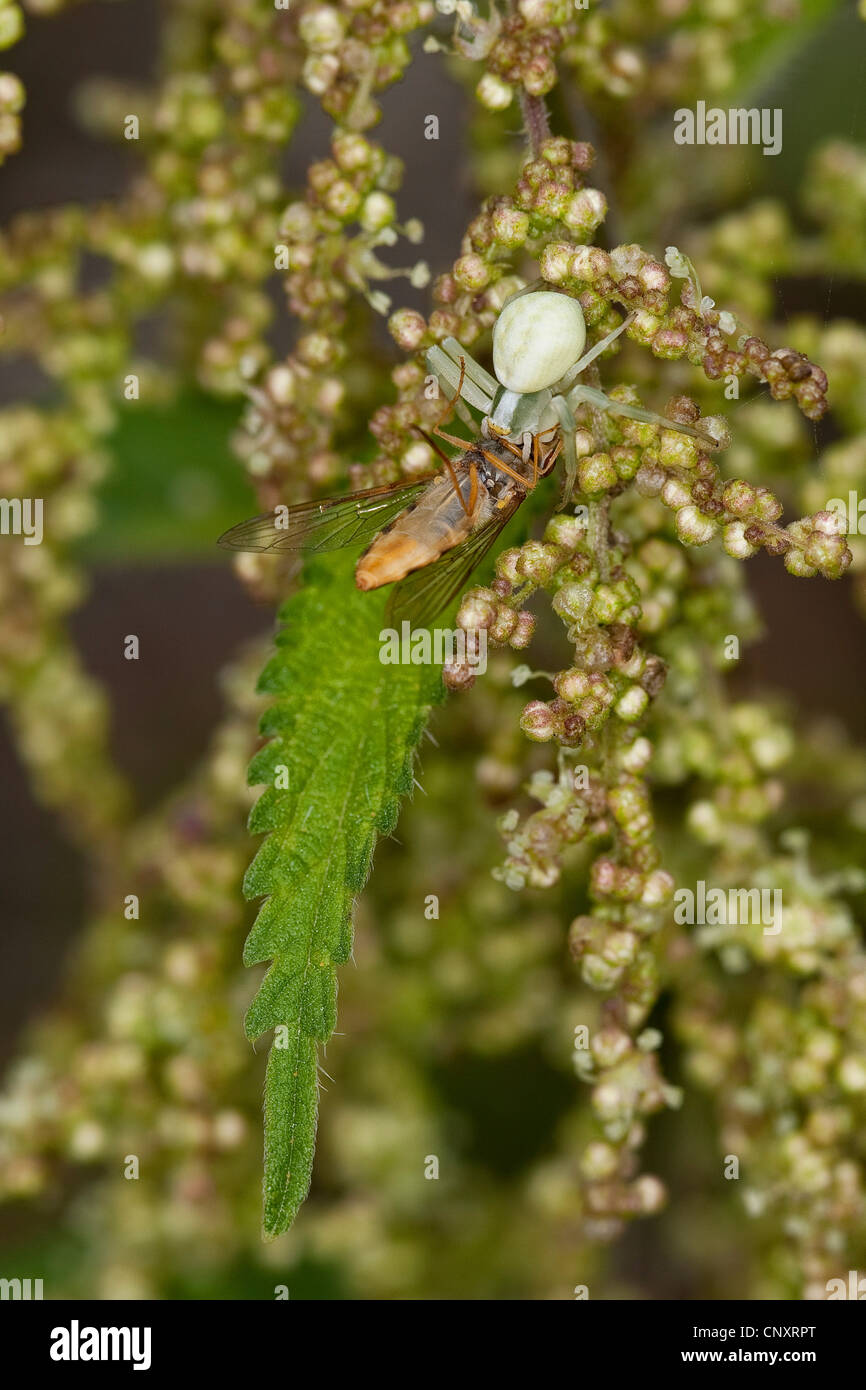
425,536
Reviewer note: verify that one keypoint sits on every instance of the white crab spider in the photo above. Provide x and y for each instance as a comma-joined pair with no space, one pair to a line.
538,343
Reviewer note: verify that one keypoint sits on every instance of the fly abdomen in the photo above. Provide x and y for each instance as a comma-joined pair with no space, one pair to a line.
437,523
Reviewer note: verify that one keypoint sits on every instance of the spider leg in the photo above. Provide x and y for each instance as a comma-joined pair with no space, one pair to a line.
474,370
583,362
568,426
634,412
465,377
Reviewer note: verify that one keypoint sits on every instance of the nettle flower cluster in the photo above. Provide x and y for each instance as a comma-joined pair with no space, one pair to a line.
551,197
789,1078
692,328
745,516
356,48
519,49
597,594
630,571
603,805
630,50
620,51
192,240
148,1062
551,201
612,588
326,247
835,196
615,455
599,603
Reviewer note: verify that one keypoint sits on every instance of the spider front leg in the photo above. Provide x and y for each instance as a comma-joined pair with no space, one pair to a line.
590,396
469,382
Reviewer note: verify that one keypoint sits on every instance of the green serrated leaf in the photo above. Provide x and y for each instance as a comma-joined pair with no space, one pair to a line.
343,733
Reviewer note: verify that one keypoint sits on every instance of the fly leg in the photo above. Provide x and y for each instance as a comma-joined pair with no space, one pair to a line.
473,490
476,386
545,465
501,437
541,467
449,409
525,483
458,443
469,506
510,472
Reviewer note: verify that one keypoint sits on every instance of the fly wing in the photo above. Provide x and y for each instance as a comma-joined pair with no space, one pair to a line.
423,594
327,525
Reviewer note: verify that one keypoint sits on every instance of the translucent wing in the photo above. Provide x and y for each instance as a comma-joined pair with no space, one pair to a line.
423,594
327,525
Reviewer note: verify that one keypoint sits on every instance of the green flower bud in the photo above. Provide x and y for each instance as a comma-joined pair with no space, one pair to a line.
585,211
677,450
598,973
632,704
321,28
574,601
597,473
378,211
493,93
510,227
676,493
538,722
694,528
471,272
735,543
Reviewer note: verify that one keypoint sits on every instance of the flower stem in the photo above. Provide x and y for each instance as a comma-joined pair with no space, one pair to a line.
535,121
